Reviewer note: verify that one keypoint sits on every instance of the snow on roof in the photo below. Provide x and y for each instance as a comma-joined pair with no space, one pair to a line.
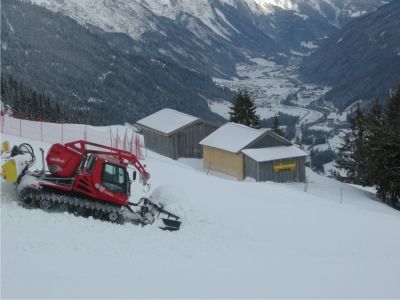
274,153
232,137
167,120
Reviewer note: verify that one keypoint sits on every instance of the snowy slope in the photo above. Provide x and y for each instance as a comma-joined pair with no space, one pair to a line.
238,239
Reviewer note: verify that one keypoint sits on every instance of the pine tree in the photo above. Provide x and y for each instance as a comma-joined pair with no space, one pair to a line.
243,110
34,109
352,153
392,148
345,157
3,87
275,127
298,142
374,141
360,146
57,112
26,102
371,151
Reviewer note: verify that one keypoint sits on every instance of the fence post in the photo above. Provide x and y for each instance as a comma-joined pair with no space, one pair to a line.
116,140
110,138
139,147
306,184
209,167
131,145
135,142
85,133
2,122
341,195
144,144
126,139
20,127
62,133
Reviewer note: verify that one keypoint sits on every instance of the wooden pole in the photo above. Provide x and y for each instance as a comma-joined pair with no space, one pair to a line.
341,195
2,122
116,140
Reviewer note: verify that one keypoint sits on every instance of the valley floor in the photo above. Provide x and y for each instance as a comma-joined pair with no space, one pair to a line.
269,84
238,240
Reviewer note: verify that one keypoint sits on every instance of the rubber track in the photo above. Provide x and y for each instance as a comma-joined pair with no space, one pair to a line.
31,197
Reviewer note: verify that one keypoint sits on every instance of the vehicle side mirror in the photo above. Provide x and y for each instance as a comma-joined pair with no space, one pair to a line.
134,175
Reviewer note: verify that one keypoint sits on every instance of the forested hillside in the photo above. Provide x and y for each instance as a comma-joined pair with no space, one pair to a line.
361,61
26,103
74,65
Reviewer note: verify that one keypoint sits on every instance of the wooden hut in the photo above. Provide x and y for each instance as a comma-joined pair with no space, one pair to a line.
174,134
222,148
278,164
241,151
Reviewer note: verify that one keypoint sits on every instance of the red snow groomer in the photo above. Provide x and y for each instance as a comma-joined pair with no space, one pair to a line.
85,179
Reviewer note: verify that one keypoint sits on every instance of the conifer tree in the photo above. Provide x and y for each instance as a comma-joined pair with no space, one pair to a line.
298,141
374,141
26,102
360,147
57,111
371,151
275,127
352,153
345,158
392,148
33,108
243,110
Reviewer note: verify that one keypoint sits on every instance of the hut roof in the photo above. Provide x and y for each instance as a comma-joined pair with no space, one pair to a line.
232,137
167,120
274,153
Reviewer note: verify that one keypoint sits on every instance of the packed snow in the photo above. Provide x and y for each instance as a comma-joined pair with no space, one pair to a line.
238,240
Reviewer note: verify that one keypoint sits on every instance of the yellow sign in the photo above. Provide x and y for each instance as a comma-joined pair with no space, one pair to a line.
284,166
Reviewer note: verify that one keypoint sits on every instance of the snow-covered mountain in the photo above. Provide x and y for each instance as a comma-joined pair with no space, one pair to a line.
81,68
135,16
135,39
207,35
360,61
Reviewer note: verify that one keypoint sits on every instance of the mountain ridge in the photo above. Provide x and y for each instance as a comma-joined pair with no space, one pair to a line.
212,35
361,61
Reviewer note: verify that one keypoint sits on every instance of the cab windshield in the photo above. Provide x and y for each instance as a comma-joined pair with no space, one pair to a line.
115,178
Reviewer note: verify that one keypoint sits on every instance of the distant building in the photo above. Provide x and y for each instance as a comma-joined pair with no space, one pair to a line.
241,152
174,134
331,122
